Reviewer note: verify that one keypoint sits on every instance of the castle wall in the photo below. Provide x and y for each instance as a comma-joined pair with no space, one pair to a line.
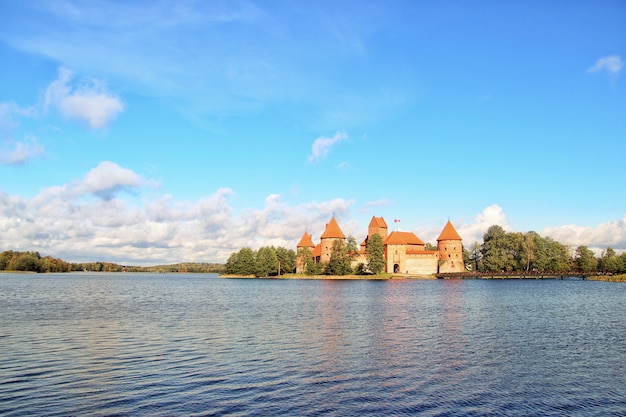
422,264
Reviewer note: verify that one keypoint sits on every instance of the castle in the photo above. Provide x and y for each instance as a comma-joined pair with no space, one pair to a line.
404,252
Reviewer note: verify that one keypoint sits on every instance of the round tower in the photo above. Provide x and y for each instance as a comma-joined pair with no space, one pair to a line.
306,242
450,247
333,232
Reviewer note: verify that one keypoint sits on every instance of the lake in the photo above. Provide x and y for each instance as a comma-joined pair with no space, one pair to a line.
196,345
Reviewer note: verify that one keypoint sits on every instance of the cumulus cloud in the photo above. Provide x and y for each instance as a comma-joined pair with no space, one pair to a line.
612,64
104,181
322,145
606,234
163,230
59,223
87,100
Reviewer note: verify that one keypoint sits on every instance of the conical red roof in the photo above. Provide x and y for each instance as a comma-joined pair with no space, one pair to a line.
305,241
449,233
333,231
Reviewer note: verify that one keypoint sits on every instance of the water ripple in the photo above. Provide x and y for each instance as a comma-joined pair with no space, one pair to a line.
162,345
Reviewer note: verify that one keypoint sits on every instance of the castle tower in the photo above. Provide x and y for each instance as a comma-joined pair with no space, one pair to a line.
331,234
378,226
450,247
305,242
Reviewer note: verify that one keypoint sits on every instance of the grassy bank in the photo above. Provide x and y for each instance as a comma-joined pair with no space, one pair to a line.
608,278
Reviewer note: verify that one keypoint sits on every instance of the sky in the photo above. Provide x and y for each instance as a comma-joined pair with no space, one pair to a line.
150,132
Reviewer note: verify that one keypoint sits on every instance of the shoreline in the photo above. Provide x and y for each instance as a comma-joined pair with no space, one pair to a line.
386,277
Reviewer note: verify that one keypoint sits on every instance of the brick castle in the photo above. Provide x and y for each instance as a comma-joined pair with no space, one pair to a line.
404,252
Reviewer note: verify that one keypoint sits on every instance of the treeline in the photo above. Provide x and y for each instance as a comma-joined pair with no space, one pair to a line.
270,261
514,251
34,262
266,262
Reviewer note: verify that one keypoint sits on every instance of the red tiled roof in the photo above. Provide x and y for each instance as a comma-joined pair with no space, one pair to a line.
317,251
402,238
333,231
306,241
449,233
378,222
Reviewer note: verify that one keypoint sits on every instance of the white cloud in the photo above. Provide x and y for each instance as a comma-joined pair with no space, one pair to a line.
472,231
14,152
322,145
606,234
19,152
612,64
89,101
9,111
161,230
104,181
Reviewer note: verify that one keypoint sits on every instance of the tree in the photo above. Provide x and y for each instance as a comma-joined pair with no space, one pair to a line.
266,262
610,261
475,255
375,252
430,246
241,263
351,246
286,260
494,249
585,259
339,263
529,249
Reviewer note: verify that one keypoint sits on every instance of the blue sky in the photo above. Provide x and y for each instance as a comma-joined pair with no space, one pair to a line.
148,132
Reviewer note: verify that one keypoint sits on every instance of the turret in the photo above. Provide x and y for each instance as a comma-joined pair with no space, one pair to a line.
306,242
450,247
331,234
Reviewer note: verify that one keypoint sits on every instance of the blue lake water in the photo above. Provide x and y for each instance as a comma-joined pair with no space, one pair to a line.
187,345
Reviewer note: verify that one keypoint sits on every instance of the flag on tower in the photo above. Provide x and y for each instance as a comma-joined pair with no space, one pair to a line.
396,220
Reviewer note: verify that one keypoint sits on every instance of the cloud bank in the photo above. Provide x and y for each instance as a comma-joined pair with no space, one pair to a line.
89,220
87,101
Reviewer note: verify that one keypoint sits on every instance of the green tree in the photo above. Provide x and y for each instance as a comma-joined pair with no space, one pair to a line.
266,262
610,261
351,247
430,246
529,250
339,262
241,263
375,252
494,249
585,259
287,260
